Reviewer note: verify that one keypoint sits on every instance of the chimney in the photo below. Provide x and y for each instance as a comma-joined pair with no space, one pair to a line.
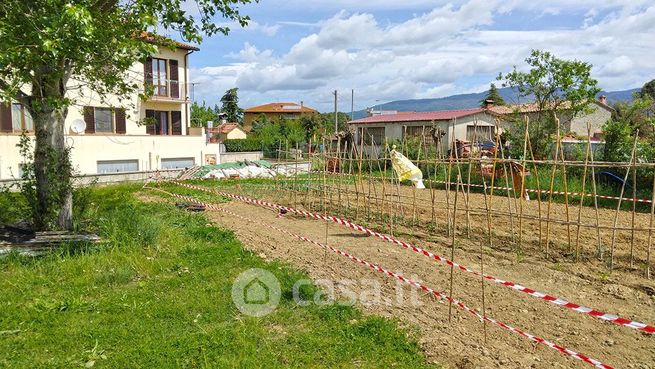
602,99
302,104
488,104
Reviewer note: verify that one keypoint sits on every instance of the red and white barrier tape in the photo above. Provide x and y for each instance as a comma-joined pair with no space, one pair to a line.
421,286
515,286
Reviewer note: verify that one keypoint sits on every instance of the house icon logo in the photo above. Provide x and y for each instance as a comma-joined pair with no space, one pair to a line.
256,292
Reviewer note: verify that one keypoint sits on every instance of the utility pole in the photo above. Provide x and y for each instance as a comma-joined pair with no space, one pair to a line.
352,104
336,115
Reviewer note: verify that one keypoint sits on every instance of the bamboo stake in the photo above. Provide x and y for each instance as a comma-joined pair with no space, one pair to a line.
359,164
509,202
536,174
618,207
452,252
584,183
550,197
650,231
634,212
339,177
566,188
600,250
521,194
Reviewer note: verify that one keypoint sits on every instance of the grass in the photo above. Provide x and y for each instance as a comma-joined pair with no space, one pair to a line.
157,294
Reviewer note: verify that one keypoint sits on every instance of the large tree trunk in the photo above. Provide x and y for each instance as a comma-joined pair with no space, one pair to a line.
52,168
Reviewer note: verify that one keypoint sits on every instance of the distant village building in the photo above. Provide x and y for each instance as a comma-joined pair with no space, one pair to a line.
474,125
597,115
274,111
227,131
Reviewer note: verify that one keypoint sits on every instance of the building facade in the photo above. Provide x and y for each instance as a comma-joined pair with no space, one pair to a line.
274,111
437,129
113,134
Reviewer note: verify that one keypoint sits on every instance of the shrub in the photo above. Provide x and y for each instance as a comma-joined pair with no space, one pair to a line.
248,144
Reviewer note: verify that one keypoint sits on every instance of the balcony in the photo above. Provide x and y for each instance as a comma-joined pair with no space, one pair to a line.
165,91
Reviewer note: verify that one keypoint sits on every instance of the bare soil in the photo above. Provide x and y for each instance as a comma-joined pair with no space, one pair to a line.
460,342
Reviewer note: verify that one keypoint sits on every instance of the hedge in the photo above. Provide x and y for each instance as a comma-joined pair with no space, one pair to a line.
248,144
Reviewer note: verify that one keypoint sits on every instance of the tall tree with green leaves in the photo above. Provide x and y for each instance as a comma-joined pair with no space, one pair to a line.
562,88
50,49
493,95
648,90
201,114
230,106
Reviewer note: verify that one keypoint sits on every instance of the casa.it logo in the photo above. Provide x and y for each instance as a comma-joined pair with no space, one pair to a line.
256,292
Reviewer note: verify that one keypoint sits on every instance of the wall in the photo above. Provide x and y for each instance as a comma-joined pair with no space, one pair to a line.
231,157
395,130
88,149
597,118
237,134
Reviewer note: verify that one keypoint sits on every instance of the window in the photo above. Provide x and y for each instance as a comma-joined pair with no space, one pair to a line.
162,120
104,120
177,163
373,135
422,133
479,133
159,77
116,166
21,120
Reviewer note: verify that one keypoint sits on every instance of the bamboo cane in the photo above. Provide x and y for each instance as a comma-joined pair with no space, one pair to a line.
618,207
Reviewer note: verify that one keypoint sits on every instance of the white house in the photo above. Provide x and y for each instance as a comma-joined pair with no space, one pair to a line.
466,124
110,136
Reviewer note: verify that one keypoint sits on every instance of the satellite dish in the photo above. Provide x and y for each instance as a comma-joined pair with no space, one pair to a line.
78,126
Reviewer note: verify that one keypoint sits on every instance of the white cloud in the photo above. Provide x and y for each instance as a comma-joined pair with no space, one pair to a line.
445,50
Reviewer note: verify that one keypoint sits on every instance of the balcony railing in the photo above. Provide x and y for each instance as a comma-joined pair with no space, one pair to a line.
165,91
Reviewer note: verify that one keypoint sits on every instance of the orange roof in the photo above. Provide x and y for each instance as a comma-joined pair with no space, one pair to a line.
161,40
280,107
226,128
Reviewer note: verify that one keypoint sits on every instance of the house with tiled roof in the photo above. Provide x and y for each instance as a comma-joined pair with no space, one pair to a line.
434,128
275,111
596,115
227,131
127,134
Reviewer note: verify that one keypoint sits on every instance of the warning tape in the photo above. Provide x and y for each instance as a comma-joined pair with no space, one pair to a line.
531,190
515,286
415,284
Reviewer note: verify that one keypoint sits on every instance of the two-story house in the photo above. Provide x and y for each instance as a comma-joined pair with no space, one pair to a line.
122,135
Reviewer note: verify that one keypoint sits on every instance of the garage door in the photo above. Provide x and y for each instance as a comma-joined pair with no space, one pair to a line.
115,166
177,163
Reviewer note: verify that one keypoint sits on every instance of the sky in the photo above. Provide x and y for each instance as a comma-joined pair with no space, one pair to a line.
388,50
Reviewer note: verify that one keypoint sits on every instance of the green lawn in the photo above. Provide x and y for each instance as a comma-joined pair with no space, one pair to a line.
157,294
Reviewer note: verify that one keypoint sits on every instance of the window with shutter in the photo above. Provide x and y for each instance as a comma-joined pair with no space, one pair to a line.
5,118
175,78
150,127
120,121
176,123
147,71
89,119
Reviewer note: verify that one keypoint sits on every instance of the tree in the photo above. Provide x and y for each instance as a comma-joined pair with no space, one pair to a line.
230,106
201,114
559,88
648,90
494,95
50,49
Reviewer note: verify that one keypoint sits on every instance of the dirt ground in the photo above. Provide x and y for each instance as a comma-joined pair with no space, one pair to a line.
460,343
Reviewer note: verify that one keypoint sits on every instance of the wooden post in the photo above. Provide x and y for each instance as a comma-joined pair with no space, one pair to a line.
584,183
452,252
618,207
650,230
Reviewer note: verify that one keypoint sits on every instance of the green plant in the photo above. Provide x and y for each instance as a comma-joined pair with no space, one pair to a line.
248,144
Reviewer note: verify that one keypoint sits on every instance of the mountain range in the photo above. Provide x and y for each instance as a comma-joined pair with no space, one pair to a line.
472,100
